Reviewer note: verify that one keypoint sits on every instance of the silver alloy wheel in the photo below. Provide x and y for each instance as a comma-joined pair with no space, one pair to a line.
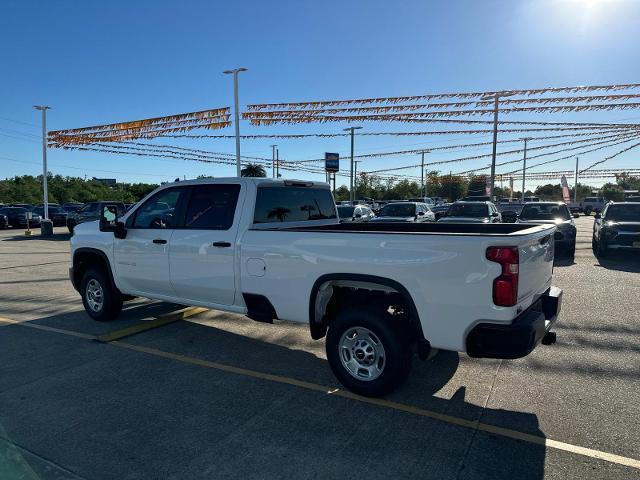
362,353
94,295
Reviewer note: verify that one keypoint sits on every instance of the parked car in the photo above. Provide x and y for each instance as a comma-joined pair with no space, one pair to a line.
440,210
71,207
405,212
592,204
90,212
618,227
359,213
4,220
57,215
17,217
472,212
477,198
28,206
426,200
274,249
553,213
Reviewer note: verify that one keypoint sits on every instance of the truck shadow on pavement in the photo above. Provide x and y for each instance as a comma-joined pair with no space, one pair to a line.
162,417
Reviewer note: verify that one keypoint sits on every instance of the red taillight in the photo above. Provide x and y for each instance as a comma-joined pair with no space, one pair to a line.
505,287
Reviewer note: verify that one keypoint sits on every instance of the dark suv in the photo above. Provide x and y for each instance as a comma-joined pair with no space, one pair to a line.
90,212
618,227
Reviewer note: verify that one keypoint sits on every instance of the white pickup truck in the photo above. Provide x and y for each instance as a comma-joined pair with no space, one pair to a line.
276,250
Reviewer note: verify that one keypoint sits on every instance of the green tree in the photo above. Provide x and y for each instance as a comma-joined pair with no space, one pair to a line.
253,170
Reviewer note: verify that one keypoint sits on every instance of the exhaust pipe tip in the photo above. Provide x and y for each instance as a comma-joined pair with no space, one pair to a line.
549,338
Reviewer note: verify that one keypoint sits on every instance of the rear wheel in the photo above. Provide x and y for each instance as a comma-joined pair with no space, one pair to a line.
369,351
71,225
100,299
587,210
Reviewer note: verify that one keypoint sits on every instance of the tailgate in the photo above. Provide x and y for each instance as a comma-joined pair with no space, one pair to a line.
536,265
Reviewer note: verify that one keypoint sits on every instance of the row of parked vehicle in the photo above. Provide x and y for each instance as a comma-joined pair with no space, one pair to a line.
472,210
69,214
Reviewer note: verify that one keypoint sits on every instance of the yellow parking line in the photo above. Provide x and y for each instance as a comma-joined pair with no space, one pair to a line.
503,432
158,322
500,431
46,328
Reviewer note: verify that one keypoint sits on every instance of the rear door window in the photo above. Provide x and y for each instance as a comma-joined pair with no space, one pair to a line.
293,204
212,207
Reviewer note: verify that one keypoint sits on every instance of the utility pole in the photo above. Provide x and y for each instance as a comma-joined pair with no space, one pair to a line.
422,176
45,187
351,179
235,72
273,161
524,166
496,101
355,177
575,183
277,163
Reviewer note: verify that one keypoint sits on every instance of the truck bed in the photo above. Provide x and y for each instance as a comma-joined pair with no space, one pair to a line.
418,228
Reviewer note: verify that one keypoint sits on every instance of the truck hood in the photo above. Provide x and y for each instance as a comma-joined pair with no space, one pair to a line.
464,220
626,226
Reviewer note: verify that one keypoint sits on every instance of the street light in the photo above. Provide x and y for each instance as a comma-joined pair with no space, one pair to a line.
351,182
235,72
524,165
273,160
496,99
43,109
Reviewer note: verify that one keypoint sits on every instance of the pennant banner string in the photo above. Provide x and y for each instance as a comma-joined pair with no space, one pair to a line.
413,98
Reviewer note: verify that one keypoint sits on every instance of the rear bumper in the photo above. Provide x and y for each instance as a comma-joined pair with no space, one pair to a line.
520,337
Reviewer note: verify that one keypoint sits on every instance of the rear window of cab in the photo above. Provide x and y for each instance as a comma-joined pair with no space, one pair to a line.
275,204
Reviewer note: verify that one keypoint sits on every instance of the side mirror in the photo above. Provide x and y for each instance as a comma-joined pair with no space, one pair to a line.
421,213
109,221
357,215
597,216
494,214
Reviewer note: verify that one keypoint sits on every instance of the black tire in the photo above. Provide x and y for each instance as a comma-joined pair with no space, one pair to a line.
587,211
389,332
111,304
571,252
71,225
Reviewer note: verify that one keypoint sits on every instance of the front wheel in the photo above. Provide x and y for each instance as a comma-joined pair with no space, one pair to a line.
100,299
587,210
368,351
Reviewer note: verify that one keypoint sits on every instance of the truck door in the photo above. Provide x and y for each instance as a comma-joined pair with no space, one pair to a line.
202,252
142,258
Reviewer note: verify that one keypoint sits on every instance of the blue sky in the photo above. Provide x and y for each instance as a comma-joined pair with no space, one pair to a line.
99,62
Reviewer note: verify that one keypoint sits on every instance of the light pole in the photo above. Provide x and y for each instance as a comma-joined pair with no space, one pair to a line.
524,165
355,176
273,161
43,109
235,72
351,182
496,100
422,176
575,183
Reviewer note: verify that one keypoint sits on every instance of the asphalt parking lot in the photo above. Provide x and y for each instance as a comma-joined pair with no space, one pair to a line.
219,396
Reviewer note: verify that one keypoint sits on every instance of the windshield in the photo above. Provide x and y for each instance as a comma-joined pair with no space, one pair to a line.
398,210
629,212
344,212
545,212
469,210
